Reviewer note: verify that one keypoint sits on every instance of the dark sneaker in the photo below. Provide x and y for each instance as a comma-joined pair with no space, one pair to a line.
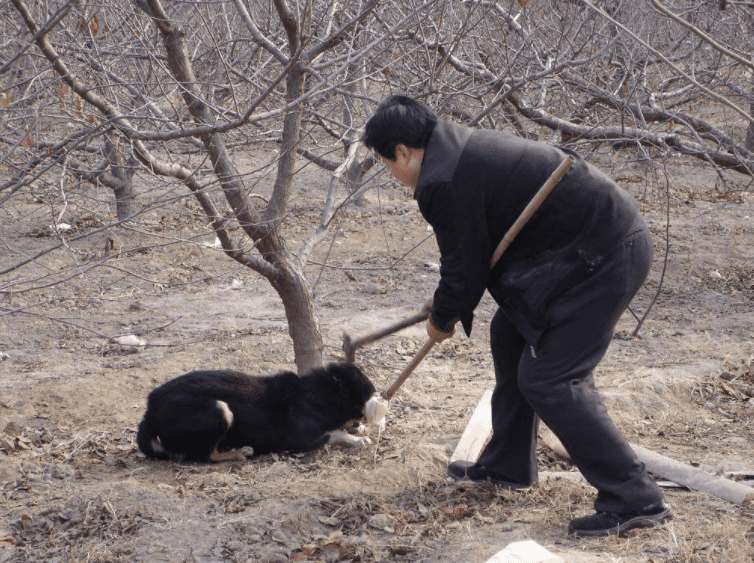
604,523
479,473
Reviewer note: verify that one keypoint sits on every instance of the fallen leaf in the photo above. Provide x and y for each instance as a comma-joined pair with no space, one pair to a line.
329,520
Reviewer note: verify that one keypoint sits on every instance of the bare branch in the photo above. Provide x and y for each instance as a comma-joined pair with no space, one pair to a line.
671,141
336,37
257,35
696,31
667,61
290,24
43,30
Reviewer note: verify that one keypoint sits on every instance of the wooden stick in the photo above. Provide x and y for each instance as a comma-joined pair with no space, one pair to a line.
529,210
694,478
423,351
350,346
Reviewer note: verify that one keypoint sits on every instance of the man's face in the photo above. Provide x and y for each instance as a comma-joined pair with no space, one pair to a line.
406,165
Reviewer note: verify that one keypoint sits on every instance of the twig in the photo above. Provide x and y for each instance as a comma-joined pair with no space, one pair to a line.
94,332
667,254
668,62
55,222
329,249
75,450
376,268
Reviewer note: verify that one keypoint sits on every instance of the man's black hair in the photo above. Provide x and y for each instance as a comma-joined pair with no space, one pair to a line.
399,119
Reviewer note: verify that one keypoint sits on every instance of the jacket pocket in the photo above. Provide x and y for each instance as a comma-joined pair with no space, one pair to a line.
540,279
526,288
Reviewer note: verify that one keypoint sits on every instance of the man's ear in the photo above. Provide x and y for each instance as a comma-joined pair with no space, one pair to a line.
402,153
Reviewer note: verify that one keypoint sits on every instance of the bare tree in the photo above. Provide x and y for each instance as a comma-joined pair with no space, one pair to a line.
170,84
160,97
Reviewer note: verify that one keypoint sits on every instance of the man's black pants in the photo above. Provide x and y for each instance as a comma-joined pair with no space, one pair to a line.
555,381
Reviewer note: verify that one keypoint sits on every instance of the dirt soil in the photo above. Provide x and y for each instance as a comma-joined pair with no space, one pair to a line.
74,487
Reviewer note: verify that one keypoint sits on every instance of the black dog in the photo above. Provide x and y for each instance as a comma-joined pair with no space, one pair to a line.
201,415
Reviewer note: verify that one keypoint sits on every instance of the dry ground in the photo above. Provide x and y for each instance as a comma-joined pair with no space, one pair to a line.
73,486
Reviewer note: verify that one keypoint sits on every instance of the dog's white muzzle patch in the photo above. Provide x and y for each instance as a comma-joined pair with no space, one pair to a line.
375,410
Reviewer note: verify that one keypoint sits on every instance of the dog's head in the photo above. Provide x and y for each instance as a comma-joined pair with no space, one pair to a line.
353,383
361,394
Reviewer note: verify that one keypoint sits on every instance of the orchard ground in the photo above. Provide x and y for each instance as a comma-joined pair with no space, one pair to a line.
75,488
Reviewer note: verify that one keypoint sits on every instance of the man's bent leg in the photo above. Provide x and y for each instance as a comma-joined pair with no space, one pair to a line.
559,383
510,453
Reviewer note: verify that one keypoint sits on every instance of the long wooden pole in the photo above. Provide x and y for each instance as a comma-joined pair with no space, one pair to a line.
694,478
415,361
529,210
351,345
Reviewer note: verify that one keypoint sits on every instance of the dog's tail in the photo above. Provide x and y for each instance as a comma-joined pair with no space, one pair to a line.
148,440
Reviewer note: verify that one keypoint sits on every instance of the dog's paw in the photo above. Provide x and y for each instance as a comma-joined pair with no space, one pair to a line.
344,438
358,442
247,452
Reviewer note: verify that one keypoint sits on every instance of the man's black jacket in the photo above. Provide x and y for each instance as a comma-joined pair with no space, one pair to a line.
473,185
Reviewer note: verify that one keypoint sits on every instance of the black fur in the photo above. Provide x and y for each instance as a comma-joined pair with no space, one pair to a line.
279,413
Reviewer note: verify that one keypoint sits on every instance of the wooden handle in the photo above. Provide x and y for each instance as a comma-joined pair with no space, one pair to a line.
529,210
418,357
350,346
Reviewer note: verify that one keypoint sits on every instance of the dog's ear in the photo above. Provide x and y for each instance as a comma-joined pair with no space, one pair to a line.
348,369
350,373
350,381
343,372
357,384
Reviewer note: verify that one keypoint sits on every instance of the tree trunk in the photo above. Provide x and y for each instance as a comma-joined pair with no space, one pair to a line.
303,325
122,178
292,285
287,279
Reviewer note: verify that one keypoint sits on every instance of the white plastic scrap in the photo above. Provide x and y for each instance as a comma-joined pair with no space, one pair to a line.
376,409
130,340
60,228
215,244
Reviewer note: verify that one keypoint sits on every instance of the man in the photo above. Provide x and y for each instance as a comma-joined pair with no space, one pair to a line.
561,286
